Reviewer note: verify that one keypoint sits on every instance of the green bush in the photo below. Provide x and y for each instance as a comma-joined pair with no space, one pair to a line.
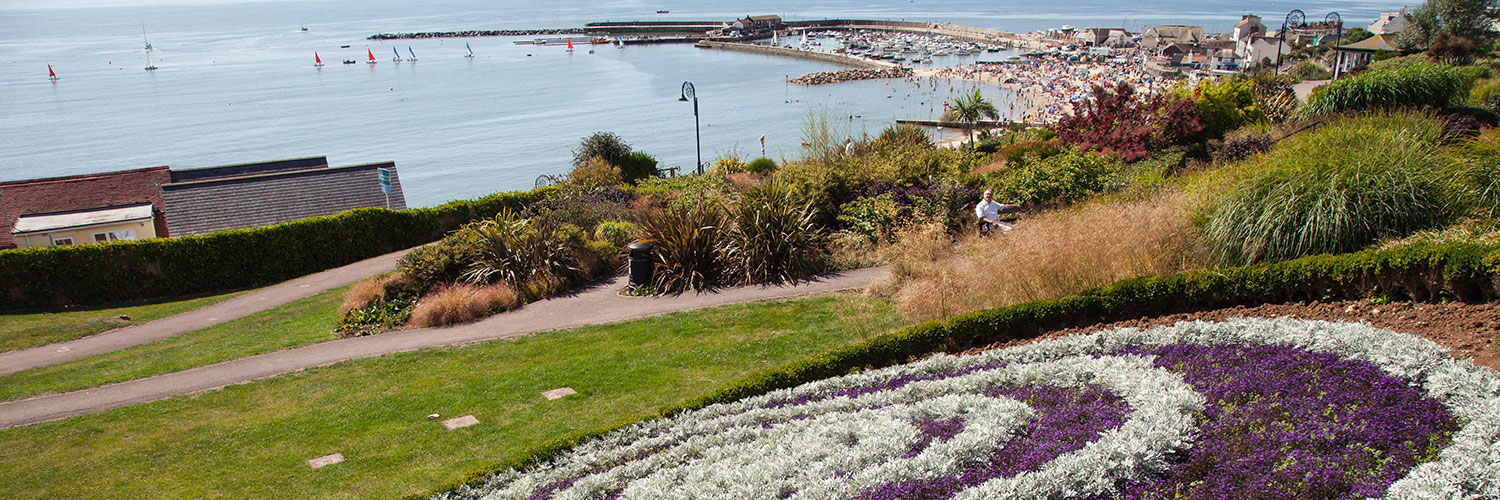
872,217
1064,178
1424,272
52,277
1486,94
1337,190
519,251
773,237
617,233
637,166
1225,104
761,165
685,246
1416,85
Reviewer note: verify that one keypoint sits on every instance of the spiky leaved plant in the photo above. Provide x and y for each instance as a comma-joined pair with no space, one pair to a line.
684,242
773,236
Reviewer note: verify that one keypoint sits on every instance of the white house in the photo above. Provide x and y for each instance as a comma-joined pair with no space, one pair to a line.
1248,26
1257,49
1391,23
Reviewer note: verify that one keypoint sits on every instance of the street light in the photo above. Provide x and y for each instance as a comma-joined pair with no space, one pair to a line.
688,93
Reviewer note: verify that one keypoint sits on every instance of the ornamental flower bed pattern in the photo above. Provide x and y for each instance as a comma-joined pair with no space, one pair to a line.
1247,408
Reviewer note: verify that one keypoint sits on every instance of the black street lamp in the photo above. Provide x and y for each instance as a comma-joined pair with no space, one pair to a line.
688,93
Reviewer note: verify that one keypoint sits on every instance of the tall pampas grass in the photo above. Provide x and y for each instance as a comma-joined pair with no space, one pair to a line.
1046,256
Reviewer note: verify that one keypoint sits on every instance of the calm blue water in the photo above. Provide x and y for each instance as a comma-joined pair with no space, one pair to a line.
236,83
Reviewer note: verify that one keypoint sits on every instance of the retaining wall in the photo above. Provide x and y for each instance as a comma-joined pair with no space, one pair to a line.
857,62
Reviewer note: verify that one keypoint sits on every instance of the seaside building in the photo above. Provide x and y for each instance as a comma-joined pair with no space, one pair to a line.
76,209
159,202
1106,37
1257,50
1159,37
1248,26
1355,56
1391,23
250,195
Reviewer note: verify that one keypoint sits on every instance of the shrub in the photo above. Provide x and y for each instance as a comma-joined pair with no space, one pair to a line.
617,233
1414,86
584,208
375,317
728,164
873,218
1275,97
1226,104
594,173
518,251
1481,172
761,165
1337,190
637,166
1486,94
441,262
1064,178
772,237
367,291
1308,70
1235,150
1126,125
606,145
685,191
684,244
1452,49
462,303
902,135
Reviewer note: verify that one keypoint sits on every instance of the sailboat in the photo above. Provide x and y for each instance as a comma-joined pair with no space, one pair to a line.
317,61
570,45
621,41
398,55
470,49
51,75
413,54
149,66
372,56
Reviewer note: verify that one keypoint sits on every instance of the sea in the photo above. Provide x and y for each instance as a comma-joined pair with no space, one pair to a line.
236,82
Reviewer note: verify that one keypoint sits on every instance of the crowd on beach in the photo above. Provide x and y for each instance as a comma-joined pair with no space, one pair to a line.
1049,87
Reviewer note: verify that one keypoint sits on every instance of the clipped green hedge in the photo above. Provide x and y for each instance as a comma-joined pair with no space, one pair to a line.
1421,271
45,278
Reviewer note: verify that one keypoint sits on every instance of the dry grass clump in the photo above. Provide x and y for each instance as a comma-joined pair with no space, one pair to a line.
462,303
367,292
1047,256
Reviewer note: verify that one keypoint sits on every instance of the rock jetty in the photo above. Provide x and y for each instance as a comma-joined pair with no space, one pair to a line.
847,75
476,33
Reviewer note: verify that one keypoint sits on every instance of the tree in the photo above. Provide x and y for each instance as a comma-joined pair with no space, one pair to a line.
1352,35
606,145
1470,19
968,110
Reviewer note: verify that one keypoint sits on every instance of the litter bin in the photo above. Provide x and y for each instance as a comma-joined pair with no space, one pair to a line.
641,265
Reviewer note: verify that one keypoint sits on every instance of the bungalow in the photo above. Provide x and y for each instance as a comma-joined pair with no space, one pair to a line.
1355,56
1162,36
754,24
1106,37
1226,60
1256,50
121,205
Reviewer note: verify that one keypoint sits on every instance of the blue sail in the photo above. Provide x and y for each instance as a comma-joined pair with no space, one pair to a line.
470,49
413,54
397,52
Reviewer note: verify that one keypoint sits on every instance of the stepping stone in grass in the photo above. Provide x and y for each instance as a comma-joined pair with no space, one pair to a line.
460,422
559,393
325,460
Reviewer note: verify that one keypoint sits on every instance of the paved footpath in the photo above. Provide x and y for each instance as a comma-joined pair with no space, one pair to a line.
597,304
172,326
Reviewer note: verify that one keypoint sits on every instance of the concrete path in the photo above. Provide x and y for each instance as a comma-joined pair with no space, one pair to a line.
172,326
597,304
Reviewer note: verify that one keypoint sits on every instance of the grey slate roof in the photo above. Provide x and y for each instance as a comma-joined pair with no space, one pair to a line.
215,203
244,169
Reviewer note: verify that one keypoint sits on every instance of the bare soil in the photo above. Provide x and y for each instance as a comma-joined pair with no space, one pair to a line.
1466,330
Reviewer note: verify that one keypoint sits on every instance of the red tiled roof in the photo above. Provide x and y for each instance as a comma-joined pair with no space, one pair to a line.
80,192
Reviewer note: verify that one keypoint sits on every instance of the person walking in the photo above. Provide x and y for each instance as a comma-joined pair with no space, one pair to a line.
988,211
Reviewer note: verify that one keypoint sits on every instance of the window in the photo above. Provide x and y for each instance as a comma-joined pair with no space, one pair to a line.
62,242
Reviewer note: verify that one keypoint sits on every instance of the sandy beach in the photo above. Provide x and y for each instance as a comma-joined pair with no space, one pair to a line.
1049,86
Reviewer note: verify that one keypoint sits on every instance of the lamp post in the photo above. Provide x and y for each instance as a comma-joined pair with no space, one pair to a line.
1294,20
689,93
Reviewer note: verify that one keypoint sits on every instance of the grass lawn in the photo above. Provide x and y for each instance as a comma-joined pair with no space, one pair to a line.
251,440
22,330
293,324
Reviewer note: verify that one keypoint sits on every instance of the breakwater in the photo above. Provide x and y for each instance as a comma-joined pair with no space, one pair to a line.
858,62
475,33
849,75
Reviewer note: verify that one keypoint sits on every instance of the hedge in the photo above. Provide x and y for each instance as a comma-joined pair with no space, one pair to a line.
1422,271
152,269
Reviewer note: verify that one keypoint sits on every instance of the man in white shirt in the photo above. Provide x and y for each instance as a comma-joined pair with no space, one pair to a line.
988,212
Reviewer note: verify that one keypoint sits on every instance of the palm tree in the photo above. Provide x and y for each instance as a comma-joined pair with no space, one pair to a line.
968,110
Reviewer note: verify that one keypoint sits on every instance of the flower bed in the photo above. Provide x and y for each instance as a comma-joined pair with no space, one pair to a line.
1247,408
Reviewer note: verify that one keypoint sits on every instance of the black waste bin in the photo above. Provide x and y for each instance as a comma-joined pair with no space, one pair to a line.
642,266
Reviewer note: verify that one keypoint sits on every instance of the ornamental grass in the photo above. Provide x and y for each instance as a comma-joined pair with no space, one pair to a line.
1046,256
1336,190
462,303
1417,85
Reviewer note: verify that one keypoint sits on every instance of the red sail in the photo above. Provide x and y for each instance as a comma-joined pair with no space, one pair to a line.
50,72
316,58
372,54
570,44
